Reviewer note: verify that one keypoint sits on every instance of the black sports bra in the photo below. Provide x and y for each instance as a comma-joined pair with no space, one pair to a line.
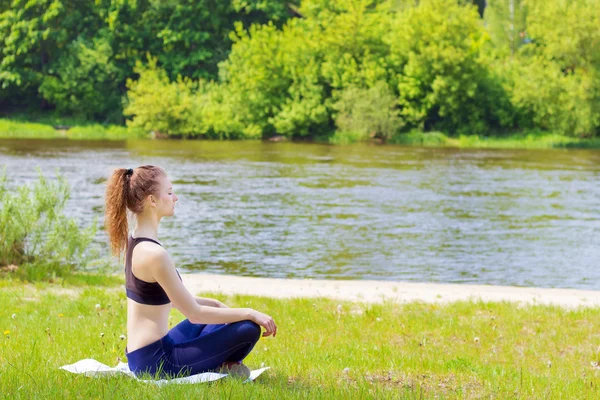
140,291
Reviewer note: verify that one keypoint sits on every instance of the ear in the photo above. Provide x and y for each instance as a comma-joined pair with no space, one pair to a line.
152,200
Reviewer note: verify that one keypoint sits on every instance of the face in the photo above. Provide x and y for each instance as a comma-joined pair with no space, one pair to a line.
165,198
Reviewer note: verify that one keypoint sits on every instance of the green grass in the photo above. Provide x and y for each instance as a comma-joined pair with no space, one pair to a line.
74,280
18,130
15,129
324,349
533,140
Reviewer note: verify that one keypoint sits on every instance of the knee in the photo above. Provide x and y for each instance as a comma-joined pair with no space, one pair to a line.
248,330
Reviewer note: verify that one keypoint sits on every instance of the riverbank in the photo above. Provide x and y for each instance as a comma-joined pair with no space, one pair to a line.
55,129
387,291
11,129
357,291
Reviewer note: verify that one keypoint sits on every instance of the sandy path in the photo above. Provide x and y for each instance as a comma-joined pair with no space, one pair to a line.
378,291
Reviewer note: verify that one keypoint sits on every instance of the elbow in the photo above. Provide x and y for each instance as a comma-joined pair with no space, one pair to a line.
191,313
196,315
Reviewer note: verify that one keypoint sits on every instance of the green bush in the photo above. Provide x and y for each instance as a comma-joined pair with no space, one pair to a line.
36,236
417,138
442,81
342,137
547,98
85,82
156,104
370,113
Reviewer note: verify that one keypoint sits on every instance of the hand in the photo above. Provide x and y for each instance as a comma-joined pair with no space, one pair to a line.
265,321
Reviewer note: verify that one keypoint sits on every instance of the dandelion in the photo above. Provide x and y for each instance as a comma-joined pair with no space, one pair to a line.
122,337
60,315
346,370
98,306
101,334
80,317
549,364
476,339
14,316
6,332
262,364
377,319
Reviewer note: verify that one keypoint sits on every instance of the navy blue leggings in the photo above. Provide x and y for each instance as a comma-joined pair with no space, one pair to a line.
189,349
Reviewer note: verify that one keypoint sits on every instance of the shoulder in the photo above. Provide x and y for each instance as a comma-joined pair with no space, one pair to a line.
151,254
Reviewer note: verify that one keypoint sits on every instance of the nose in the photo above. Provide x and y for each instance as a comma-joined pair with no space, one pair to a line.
176,198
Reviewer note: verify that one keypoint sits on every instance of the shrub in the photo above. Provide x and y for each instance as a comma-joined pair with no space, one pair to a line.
369,112
35,235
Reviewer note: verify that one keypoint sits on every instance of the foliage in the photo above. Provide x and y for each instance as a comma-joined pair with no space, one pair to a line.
442,81
254,69
506,25
556,79
76,56
35,235
81,75
371,113
159,105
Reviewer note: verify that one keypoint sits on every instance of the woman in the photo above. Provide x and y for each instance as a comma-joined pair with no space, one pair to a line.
213,337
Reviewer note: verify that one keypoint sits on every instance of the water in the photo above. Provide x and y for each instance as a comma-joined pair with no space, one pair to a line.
509,217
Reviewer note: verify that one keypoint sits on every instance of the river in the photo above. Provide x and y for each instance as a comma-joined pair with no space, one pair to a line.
291,210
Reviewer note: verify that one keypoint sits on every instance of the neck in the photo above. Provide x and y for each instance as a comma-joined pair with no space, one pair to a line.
146,226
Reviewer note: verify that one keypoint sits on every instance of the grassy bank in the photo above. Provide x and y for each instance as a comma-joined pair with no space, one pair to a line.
533,140
13,129
324,349
54,128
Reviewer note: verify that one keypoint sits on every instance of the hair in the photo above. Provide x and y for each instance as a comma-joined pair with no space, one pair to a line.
127,189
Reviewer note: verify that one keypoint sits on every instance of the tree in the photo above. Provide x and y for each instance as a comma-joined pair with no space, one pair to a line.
442,81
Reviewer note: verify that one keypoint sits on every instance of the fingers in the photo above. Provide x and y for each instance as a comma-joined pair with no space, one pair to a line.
271,328
269,324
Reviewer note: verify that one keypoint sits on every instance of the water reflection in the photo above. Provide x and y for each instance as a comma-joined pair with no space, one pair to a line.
365,211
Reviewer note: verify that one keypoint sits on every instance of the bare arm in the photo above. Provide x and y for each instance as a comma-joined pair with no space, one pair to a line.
195,309
163,270
203,301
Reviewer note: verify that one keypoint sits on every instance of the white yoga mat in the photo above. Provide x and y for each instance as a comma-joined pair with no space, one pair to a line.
91,367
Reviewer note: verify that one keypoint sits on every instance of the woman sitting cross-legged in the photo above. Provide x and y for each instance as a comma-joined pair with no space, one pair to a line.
213,337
